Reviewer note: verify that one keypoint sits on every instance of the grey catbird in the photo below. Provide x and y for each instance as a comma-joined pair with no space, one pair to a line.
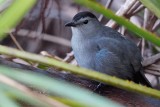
103,49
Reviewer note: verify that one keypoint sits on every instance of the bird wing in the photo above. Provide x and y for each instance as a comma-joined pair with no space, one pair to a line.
128,48
111,58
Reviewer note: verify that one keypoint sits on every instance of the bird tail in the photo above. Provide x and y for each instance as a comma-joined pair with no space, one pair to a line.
142,79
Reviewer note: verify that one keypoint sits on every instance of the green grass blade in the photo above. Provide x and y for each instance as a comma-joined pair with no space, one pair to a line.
16,94
58,87
5,101
153,5
120,20
1,1
71,103
11,16
130,86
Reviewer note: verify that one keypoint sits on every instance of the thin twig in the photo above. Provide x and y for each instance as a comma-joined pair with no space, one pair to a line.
69,57
151,60
122,30
44,53
141,7
145,25
154,67
152,72
156,25
16,42
135,6
123,10
146,18
152,21
19,47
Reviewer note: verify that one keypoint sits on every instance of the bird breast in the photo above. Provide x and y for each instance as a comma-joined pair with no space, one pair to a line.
84,51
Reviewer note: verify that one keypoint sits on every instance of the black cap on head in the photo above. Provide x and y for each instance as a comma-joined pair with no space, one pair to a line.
83,14
78,16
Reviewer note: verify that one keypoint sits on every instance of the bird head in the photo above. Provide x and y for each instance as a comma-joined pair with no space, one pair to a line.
84,22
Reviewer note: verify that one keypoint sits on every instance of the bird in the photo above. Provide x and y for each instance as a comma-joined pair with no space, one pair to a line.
103,49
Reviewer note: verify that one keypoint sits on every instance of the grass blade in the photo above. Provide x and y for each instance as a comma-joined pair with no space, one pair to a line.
58,87
120,20
6,101
11,16
153,5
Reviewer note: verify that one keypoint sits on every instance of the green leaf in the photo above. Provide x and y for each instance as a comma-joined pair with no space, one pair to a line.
13,15
21,96
71,103
6,101
104,78
1,1
120,20
58,87
153,5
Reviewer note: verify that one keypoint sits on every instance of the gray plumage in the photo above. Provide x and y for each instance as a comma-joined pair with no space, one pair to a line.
103,49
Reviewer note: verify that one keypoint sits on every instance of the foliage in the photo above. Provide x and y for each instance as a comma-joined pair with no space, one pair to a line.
153,5
13,15
53,86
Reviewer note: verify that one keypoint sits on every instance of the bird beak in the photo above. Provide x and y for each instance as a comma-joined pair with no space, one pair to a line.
70,24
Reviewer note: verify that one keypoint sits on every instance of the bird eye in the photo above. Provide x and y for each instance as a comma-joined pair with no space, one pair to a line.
85,22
